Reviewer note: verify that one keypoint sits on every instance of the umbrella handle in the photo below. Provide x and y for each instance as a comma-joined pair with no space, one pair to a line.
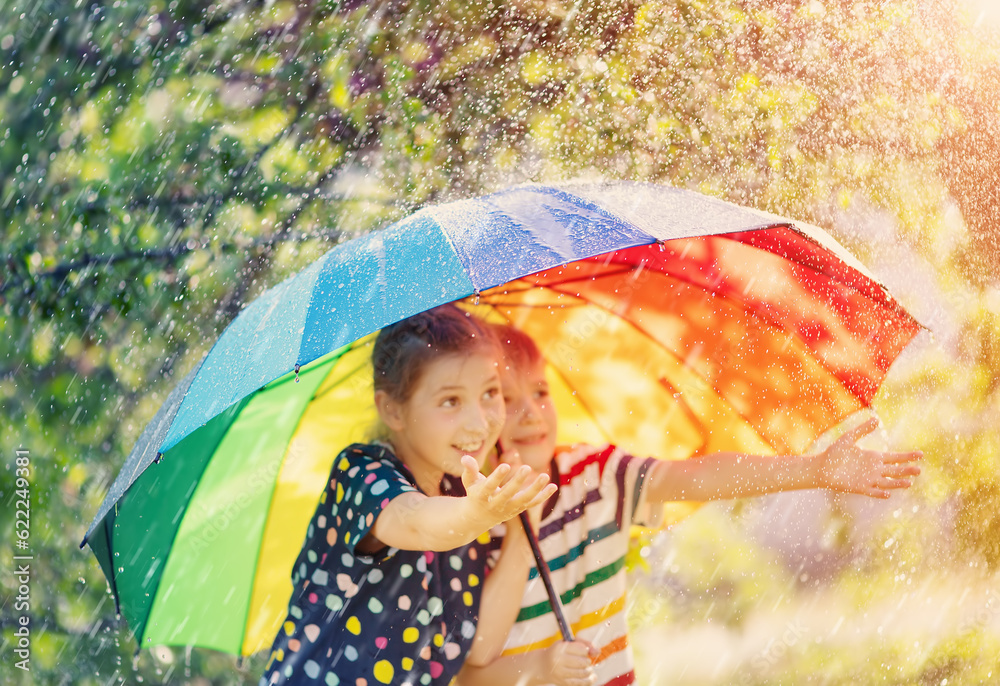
543,571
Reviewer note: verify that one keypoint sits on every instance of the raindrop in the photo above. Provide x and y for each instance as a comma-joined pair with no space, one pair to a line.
297,373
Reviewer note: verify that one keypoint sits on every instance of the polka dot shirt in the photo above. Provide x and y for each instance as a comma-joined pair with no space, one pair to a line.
395,617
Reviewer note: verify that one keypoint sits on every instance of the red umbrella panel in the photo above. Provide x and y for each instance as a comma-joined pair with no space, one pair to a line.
757,341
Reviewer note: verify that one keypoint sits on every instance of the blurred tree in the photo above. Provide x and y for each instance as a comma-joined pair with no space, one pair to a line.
161,162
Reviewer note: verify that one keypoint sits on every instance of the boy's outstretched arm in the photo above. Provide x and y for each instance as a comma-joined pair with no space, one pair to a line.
843,467
414,521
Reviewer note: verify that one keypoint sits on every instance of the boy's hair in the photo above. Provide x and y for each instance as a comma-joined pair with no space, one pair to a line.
402,350
519,349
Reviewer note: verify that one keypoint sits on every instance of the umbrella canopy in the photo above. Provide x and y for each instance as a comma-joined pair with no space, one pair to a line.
672,324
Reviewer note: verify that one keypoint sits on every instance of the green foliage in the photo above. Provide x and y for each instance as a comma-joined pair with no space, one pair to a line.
968,659
710,572
162,162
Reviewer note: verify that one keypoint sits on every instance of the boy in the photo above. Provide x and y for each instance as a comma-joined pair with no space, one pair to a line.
584,529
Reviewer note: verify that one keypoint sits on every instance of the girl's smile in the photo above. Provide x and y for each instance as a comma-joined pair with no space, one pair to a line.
456,408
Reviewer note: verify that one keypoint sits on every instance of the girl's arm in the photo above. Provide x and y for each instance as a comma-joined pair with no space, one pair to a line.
414,521
843,467
498,610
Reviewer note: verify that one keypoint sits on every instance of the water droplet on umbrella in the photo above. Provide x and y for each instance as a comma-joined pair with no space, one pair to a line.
297,373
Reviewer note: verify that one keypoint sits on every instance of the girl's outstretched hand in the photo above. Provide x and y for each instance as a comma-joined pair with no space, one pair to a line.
513,458
848,468
569,664
505,492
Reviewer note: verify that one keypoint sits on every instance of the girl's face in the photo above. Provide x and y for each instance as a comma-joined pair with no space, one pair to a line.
531,416
456,409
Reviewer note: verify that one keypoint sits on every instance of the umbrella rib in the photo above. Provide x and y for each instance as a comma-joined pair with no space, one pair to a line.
525,286
114,584
879,295
763,315
642,331
689,411
760,315
884,299
554,285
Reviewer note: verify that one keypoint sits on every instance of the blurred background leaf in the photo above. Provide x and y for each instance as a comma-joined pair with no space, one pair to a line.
163,162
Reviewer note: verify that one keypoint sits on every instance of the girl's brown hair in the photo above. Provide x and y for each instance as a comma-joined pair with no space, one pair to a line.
402,350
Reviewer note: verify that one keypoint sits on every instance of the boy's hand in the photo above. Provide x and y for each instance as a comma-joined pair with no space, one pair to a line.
497,498
847,468
569,664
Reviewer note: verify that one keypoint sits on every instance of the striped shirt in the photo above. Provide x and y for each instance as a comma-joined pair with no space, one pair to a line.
584,540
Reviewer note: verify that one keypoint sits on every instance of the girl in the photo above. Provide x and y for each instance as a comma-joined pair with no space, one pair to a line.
388,583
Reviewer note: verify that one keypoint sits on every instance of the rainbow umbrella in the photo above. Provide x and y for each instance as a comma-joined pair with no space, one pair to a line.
672,324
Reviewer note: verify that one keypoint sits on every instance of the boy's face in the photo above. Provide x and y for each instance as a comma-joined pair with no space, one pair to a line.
531,415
